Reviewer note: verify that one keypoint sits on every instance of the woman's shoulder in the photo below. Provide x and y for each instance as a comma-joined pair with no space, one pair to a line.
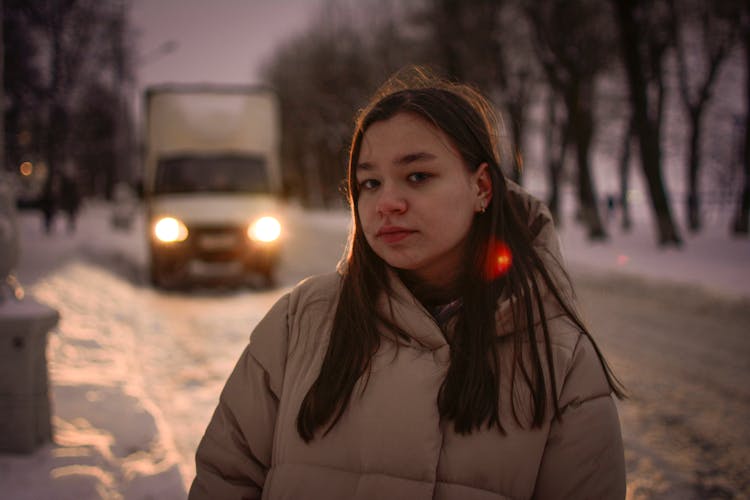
316,290
309,302
579,367
323,288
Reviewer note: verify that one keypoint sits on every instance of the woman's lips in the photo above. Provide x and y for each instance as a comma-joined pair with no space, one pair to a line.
393,234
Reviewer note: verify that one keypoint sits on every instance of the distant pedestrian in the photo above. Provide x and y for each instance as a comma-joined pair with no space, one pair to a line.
611,207
70,200
445,358
49,202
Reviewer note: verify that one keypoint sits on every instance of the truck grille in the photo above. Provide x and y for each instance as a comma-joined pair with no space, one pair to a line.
217,239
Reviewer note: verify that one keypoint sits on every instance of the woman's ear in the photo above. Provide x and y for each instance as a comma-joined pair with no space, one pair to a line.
483,185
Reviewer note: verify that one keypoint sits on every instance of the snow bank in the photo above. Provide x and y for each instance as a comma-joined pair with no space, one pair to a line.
711,260
110,440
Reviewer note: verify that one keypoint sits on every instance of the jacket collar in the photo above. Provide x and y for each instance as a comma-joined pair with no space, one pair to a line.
404,310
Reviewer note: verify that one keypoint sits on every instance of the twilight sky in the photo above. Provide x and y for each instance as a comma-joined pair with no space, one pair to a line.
220,41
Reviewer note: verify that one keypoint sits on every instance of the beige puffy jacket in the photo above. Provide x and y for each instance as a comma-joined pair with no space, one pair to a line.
391,443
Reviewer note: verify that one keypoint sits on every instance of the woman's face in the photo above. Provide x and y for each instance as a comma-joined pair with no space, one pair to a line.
417,198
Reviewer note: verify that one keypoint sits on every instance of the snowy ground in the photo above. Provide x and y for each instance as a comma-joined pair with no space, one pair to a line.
136,373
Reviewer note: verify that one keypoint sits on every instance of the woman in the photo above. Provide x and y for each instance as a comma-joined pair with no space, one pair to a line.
444,359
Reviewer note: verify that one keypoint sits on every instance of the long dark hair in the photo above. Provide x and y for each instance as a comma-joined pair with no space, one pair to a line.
470,393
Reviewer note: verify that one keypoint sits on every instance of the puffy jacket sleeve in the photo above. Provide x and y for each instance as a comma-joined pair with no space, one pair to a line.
235,453
584,456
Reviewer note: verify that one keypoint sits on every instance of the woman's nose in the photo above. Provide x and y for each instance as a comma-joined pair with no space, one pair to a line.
390,200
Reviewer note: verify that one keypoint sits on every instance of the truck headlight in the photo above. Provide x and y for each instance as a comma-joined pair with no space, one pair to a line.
170,230
265,229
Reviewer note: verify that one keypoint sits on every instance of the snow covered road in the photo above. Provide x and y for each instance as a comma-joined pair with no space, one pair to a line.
136,372
683,355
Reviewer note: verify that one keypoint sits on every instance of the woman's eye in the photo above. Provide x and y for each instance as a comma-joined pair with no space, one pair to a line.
368,184
418,177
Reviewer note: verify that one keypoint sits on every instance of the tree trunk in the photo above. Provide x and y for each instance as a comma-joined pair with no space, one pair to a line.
448,15
555,159
742,217
515,103
553,202
647,130
627,223
715,46
693,197
56,126
312,178
3,155
581,122
56,134
517,130
740,226
651,162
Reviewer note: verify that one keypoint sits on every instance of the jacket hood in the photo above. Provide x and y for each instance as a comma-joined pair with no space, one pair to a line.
546,242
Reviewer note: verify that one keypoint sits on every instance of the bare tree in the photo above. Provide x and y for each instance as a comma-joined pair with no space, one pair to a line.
66,27
644,40
94,146
2,89
518,74
70,34
574,47
464,35
704,34
556,139
741,225
624,171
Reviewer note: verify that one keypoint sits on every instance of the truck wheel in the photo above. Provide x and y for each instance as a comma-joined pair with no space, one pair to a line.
155,272
269,277
154,276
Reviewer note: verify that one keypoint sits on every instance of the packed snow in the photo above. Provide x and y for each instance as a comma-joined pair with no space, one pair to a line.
135,372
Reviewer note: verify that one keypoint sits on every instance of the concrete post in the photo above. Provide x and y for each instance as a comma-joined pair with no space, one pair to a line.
25,419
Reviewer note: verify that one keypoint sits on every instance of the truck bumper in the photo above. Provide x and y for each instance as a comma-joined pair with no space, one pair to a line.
212,255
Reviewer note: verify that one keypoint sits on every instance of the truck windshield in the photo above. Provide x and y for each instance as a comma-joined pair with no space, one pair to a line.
189,174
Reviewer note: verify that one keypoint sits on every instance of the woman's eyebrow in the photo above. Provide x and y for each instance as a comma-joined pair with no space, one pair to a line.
402,160
414,157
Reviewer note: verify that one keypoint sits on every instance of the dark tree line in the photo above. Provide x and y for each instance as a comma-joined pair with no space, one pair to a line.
644,42
542,63
65,64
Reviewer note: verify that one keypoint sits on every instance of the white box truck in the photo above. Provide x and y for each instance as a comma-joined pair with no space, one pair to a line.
212,183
